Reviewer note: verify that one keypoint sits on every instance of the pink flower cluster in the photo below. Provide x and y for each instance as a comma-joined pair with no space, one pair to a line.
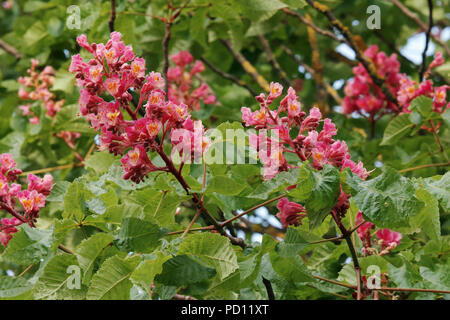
362,95
410,89
31,200
181,79
291,213
309,144
38,84
115,73
385,239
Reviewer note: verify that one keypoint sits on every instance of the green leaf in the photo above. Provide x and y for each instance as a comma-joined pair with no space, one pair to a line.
197,26
279,182
224,185
88,251
145,273
99,162
397,128
295,4
436,278
440,189
423,105
428,218
60,280
14,288
29,245
139,235
388,200
291,269
323,196
183,270
292,244
58,191
214,249
112,280
75,200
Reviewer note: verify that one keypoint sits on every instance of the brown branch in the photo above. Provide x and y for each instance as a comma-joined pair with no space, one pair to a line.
367,63
165,45
427,40
182,297
196,199
269,289
252,209
273,61
112,17
65,166
247,66
423,26
229,76
310,24
65,249
330,90
10,49
318,70
425,166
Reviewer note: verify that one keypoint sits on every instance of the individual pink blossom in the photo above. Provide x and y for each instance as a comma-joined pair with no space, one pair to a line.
390,238
137,164
43,185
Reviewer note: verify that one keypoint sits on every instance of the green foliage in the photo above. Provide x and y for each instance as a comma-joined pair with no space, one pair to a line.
103,237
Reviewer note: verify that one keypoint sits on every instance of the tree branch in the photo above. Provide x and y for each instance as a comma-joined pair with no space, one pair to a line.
423,26
330,90
247,66
368,65
229,77
273,61
427,40
112,17
10,49
269,289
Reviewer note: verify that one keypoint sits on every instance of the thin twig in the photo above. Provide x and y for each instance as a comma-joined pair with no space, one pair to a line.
423,26
65,249
310,24
228,76
252,209
10,49
269,289
65,166
273,61
112,17
247,66
425,166
330,90
367,63
427,40
165,45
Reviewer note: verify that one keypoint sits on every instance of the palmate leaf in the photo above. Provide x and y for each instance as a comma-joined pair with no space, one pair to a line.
212,248
388,200
139,235
112,280
60,280
88,251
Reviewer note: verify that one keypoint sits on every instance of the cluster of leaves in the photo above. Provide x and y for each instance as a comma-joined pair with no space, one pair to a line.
121,236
